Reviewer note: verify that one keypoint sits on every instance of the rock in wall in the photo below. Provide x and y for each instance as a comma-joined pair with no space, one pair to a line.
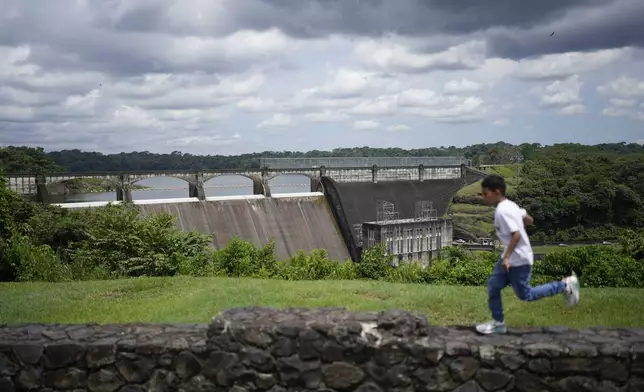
258,349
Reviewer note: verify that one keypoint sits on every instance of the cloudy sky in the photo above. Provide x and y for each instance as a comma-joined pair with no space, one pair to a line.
234,76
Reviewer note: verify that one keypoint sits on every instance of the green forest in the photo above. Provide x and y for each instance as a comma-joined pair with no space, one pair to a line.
25,159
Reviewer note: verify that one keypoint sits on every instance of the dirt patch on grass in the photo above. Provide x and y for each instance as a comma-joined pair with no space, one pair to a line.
112,294
135,288
310,295
371,295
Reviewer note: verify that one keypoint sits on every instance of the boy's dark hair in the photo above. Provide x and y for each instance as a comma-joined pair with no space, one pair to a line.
494,182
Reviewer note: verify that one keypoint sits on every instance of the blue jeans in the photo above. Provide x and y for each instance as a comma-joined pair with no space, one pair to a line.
519,278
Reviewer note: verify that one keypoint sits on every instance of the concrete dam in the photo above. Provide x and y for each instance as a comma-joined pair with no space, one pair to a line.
300,221
339,215
295,222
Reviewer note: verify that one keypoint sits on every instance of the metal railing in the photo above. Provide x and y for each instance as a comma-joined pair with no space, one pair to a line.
222,186
354,162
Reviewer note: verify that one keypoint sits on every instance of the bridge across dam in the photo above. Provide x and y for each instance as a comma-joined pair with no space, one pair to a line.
341,170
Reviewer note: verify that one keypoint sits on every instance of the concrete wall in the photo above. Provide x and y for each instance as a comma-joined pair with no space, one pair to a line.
355,203
257,349
359,199
408,239
294,223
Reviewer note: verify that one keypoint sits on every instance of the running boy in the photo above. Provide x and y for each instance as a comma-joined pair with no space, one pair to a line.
515,267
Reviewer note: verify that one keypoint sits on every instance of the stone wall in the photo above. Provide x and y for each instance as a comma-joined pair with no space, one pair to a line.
326,349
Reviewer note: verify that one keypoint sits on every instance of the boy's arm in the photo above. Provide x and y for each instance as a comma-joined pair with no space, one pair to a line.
527,219
516,236
510,224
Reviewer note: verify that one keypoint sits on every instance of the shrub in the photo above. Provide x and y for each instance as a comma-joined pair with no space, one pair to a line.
375,263
459,272
14,211
32,263
406,273
632,244
45,243
616,271
241,259
57,227
120,240
315,266
596,266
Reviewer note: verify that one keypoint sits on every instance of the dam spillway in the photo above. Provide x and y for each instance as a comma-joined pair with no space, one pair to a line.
299,221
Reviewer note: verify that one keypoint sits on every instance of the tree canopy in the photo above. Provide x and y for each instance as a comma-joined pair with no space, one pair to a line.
25,159
563,189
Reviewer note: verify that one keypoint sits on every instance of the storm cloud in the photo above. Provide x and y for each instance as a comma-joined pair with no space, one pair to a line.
234,75
513,29
149,34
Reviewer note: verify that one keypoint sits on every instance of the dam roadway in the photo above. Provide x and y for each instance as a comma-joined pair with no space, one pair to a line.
341,195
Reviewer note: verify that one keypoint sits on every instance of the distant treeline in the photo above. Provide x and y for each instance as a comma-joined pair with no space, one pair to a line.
24,159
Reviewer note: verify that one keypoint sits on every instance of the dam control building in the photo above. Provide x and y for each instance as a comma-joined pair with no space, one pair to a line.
418,239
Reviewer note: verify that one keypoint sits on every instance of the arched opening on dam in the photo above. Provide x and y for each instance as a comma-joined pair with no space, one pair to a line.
294,183
81,189
159,187
230,185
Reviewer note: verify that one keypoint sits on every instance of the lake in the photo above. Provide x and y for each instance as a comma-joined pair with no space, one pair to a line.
169,188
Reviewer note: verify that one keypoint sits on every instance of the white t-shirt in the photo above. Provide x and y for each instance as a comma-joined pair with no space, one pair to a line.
508,218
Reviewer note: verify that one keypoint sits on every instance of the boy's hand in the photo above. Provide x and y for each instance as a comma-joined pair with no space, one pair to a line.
527,219
506,263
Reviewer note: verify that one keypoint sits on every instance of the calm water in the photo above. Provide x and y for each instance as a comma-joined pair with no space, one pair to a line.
168,188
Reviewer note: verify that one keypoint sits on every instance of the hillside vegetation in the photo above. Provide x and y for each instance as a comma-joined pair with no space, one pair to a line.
473,219
583,195
573,196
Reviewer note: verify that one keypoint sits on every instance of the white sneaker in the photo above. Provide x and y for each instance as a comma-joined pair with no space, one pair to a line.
492,327
572,289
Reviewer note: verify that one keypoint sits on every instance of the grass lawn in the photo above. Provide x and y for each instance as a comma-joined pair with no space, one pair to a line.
470,190
186,299
477,219
461,208
508,172
556,249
